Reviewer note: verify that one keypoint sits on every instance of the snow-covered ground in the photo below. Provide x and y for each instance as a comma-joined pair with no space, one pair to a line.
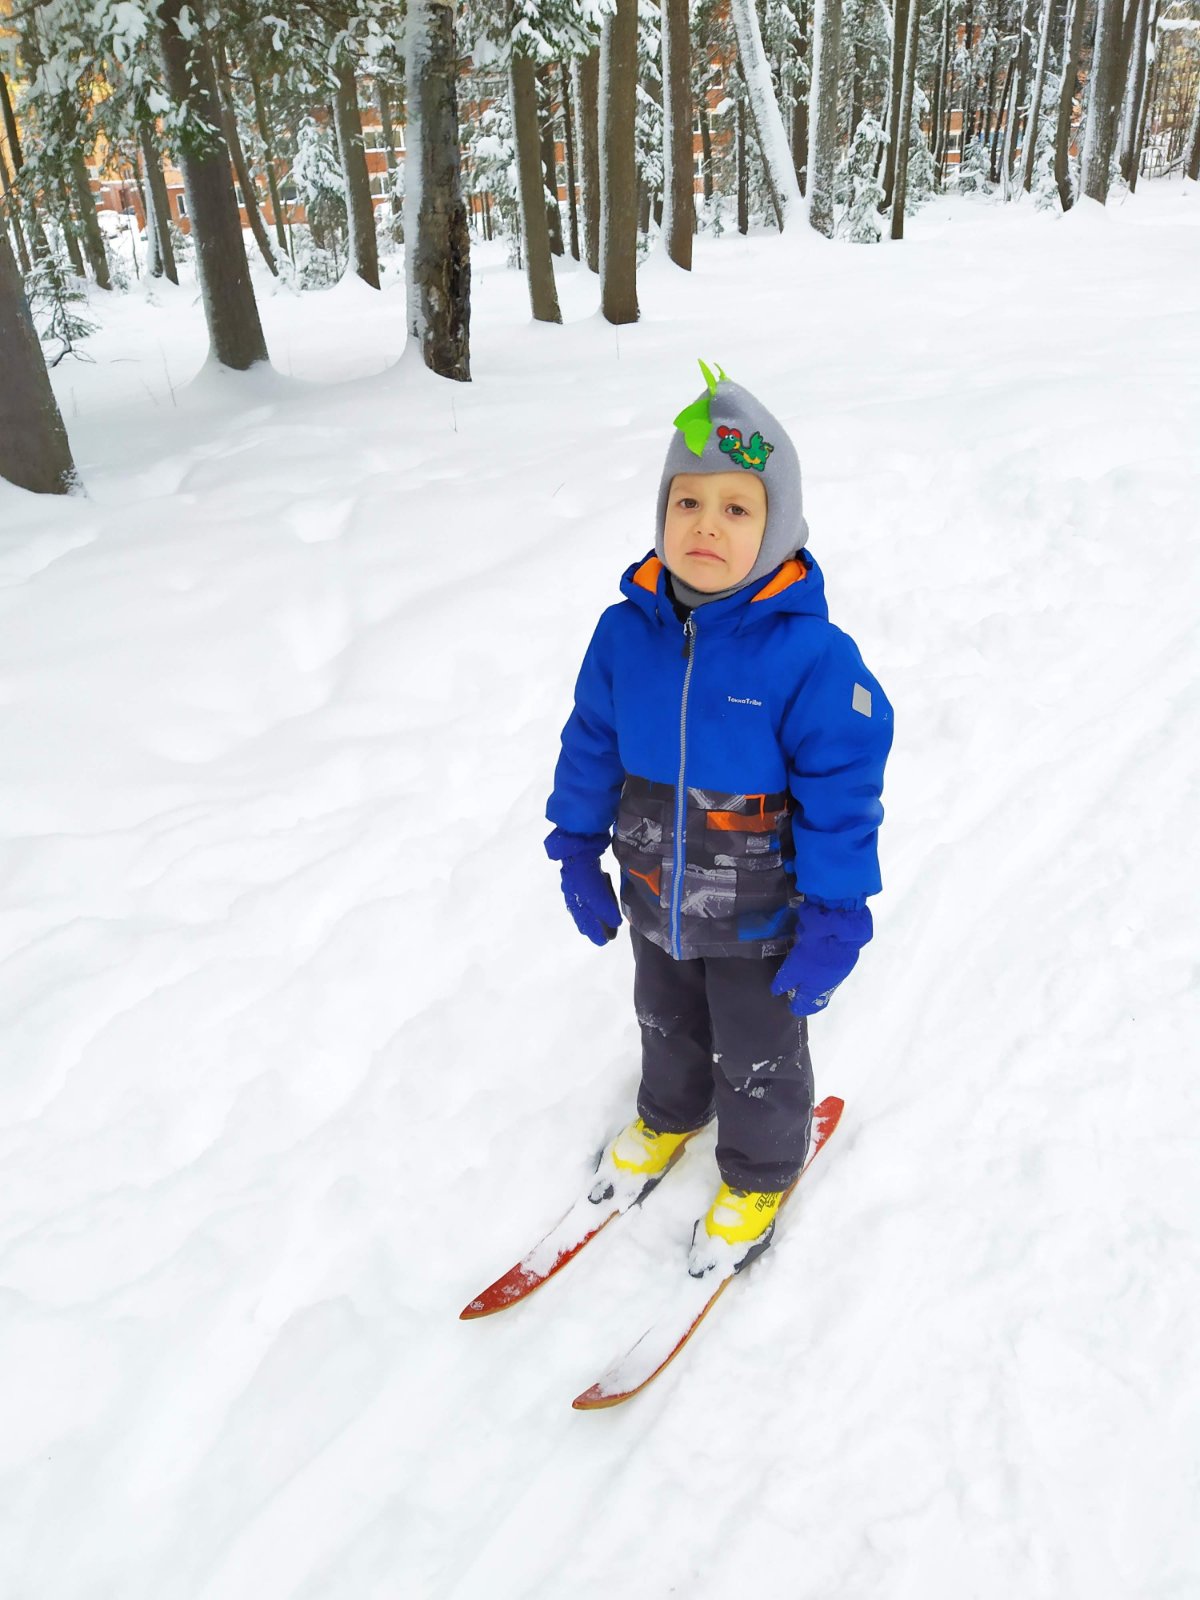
300,1048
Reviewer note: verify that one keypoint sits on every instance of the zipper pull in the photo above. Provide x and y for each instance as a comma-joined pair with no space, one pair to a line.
689,636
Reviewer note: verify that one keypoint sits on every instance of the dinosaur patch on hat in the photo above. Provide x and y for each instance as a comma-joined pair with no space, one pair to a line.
753,455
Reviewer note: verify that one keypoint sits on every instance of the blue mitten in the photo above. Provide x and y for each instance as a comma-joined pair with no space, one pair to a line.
586,887
824,950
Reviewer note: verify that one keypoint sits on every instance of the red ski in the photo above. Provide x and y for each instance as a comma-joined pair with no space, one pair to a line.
662,1342
562,1244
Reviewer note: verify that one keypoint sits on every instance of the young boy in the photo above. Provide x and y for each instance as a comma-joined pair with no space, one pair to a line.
734,737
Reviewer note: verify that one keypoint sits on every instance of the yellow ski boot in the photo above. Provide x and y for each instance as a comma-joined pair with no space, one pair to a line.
736,1230
637,1158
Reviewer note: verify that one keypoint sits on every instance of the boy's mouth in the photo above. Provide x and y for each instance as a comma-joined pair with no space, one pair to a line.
706,555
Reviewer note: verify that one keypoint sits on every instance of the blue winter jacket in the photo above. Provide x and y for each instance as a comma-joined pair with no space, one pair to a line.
739,755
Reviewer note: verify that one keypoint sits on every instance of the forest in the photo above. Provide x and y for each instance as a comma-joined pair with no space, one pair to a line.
596,127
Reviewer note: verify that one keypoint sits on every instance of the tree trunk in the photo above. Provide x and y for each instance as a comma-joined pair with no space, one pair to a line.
437,243
264,133
159,220
800,142
10,125
895,94
1137,91
651,196
1098,138
944,127
1029,153
549,148
800,108
249,192
1002,114
823,153
743,173
1072,47
906,105
1136,159
856,92
229,305
70,233
34,452
679,209
777,162
569,152
360,208
937,110
1170,95
38,246
618,164
1018,95
535,226
383,100
1011,118
587,93
970,90
985,130
706,148
154,261
66,175
93,239
1123,89
10,213
1192,165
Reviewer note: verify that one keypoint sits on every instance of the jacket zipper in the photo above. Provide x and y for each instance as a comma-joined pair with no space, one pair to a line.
689,634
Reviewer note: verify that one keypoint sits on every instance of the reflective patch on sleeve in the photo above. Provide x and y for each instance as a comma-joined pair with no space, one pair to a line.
861,700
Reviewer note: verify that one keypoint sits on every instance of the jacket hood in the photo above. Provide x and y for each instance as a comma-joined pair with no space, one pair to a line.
796,586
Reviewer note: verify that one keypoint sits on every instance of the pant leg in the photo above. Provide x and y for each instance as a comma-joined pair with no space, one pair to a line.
762,1074
672,1011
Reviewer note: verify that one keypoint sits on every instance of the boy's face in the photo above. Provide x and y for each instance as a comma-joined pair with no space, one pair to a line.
714,527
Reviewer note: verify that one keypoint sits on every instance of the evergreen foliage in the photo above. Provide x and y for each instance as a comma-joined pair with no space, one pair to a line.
858,193
57,302
492,171
86,79
921,174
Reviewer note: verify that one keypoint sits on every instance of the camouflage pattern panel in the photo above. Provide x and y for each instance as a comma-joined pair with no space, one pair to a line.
738,897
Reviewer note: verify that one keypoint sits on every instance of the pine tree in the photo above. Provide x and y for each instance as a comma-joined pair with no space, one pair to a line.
34,453
680,189
858,193
1098,135
320,187
778,167
823,158
618,164
195,119
438,251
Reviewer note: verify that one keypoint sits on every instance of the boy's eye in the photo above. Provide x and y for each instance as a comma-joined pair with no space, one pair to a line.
736,510
688,504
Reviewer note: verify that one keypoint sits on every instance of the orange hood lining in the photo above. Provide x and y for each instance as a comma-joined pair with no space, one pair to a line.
647,575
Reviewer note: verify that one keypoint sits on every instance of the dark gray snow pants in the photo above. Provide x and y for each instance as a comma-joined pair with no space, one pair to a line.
715,1039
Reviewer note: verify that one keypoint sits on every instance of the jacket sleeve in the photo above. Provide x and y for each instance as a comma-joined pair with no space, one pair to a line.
837,732
589,774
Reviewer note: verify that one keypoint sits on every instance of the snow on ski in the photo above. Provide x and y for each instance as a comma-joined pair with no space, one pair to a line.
663,1341
562,1244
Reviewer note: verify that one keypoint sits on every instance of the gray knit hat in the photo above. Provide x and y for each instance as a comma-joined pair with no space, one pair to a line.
726,428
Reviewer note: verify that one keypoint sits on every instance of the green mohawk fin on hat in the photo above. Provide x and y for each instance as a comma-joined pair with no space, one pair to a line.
694,421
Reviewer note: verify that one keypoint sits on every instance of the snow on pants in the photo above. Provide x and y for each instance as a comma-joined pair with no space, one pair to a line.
714,1038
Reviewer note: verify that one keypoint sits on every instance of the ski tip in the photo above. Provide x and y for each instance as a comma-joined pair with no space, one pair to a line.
829,1113
596,1399
505,1292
